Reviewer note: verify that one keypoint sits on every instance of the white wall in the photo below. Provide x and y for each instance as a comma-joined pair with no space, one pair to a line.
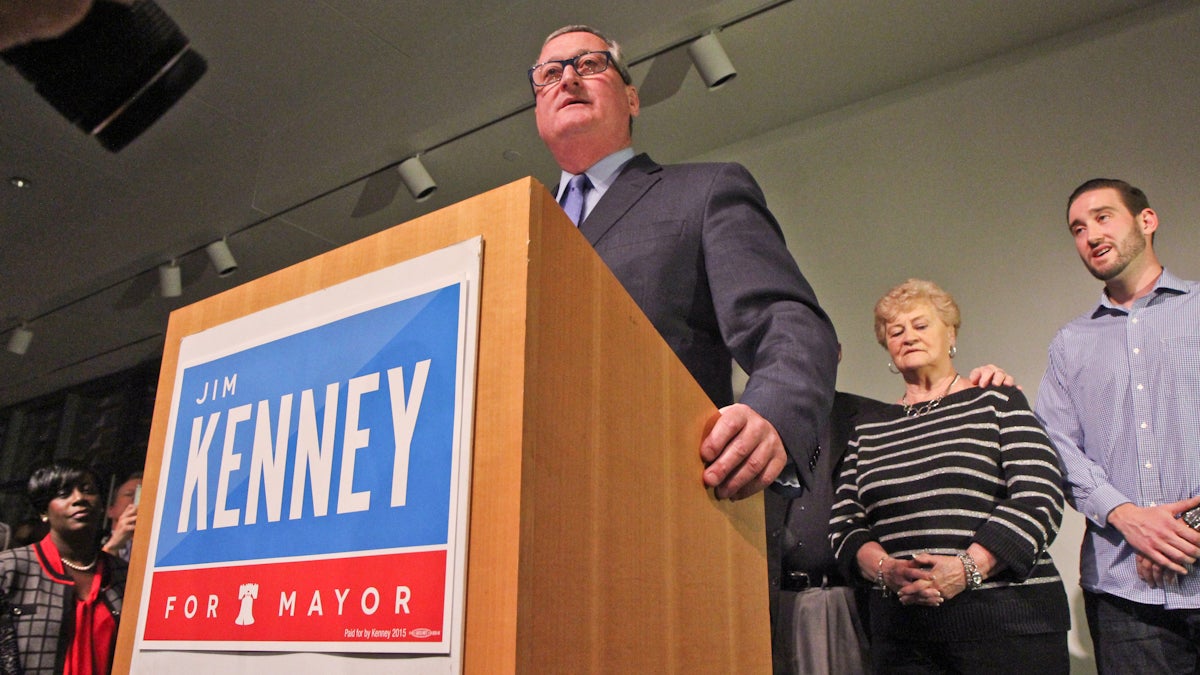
964,181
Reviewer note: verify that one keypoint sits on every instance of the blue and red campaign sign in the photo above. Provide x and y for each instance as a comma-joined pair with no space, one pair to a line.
312,494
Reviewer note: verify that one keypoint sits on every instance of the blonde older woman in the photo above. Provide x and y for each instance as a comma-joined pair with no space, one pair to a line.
947,503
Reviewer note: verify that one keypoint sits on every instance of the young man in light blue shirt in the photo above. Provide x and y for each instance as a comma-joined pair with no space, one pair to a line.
1121,401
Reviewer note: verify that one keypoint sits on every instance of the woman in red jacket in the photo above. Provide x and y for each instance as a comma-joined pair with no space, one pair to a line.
60,598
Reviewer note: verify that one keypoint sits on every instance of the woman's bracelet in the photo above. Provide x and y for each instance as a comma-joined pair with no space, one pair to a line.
973,578
879,581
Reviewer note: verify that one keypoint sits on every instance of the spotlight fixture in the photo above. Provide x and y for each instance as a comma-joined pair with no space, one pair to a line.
416,178
711,61
18,342
170,280
221,257
115,72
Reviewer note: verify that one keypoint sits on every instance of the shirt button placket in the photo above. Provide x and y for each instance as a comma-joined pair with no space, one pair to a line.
1146,452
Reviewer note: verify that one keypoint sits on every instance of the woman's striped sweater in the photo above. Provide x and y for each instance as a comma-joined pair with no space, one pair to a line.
977,468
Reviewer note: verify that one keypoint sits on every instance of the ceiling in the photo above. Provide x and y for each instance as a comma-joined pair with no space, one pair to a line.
287,145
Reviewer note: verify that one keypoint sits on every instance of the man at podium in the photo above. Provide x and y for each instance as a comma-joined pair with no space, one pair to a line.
699,251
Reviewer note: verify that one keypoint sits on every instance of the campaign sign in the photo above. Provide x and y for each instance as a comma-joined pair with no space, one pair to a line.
313,483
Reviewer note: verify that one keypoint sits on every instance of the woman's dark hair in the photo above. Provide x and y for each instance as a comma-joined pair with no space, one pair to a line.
49,480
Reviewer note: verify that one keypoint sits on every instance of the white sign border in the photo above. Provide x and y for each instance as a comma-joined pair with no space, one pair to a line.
457,263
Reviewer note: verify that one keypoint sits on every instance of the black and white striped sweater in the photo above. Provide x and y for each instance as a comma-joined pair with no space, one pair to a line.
977,468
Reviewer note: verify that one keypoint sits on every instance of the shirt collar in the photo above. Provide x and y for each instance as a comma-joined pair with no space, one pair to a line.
1167,284
602,174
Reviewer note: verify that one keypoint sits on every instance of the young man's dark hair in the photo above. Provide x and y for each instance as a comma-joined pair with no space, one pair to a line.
1133,198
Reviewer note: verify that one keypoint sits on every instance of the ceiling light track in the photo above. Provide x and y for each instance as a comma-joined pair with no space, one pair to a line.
423,186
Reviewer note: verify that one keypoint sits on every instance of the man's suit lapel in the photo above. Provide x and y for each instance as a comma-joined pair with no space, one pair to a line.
638,176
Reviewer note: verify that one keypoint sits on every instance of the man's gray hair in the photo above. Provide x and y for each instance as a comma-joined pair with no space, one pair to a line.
613,47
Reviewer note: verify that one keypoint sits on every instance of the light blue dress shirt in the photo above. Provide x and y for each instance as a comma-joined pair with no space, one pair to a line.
602,175
1121,402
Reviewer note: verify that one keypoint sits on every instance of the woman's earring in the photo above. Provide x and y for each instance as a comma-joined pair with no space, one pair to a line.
893,369
953,350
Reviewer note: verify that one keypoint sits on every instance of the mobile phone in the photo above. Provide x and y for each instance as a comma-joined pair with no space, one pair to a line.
137,494
1192,518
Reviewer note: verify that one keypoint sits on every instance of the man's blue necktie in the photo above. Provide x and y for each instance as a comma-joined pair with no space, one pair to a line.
573,200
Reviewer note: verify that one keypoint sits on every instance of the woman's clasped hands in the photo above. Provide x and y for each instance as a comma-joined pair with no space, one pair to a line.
928,579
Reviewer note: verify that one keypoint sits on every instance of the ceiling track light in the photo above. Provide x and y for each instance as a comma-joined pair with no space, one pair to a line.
170,280
711,61
221,258
706,53
114,73
418,181
18,341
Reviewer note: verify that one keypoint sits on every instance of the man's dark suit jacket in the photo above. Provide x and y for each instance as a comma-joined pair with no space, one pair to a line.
798,528
696,247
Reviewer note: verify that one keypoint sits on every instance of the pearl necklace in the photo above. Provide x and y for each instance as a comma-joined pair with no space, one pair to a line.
918,409
79,568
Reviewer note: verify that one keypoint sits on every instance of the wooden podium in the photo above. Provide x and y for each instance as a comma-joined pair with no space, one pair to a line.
594,546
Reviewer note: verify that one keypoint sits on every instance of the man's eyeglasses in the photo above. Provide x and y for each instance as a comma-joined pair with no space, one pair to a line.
588,63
